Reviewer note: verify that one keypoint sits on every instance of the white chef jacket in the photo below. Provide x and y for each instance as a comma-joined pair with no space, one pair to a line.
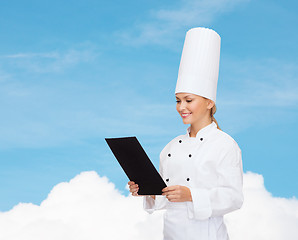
210,165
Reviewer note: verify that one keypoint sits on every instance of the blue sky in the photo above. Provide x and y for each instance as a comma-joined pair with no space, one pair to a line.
72,74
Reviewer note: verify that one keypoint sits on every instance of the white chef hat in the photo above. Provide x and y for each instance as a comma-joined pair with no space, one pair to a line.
199,65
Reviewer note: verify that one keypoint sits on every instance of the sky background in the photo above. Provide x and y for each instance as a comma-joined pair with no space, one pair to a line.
73,73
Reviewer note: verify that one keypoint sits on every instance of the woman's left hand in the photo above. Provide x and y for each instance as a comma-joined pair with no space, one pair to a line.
177,193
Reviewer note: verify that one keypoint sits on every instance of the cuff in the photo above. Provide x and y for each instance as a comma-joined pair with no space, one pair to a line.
150,204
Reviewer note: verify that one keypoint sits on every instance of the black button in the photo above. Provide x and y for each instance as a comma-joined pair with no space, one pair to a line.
201,139
167,180
189,155
180,141
187,179
169,154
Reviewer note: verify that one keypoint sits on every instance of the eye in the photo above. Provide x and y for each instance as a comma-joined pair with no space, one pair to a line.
178,101
188,101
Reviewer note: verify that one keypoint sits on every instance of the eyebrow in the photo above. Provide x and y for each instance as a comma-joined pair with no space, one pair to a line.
184,97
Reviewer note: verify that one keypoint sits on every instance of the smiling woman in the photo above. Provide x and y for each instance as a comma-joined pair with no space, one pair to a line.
194,110
192,107
202,169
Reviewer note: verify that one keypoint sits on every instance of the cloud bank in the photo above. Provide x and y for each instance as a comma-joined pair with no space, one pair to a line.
262,215
87,207
90,207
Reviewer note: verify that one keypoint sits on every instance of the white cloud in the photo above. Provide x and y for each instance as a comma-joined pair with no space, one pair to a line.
164,24
262,215
89,207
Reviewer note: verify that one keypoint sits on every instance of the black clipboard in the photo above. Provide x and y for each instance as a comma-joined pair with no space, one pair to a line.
137,165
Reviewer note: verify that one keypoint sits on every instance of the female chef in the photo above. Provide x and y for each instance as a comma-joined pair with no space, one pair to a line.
203,168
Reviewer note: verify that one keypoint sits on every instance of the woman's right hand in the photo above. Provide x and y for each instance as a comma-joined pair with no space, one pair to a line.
133,188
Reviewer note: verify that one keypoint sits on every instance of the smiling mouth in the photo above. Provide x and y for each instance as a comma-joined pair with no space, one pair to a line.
185,115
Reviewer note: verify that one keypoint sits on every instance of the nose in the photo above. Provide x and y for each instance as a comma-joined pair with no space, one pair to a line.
182,106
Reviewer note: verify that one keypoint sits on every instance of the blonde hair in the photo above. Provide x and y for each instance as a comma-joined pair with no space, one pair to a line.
212,112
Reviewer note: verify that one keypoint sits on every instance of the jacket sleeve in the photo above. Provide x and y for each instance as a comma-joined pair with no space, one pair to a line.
227,195
150,205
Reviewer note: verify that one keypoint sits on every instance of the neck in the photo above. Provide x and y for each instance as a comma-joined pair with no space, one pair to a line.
196,127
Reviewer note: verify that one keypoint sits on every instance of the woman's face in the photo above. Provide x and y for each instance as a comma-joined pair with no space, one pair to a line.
192,108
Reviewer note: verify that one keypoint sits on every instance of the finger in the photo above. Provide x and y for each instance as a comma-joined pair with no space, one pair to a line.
131,183
134,186
173,198
134,189
170,194
170,188
167,192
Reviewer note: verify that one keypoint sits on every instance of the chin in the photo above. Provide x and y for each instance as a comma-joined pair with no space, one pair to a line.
186,121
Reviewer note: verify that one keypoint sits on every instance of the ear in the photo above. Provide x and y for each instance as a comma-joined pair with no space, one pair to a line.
210,104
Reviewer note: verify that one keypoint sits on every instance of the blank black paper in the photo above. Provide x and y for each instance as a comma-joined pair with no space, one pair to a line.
137,165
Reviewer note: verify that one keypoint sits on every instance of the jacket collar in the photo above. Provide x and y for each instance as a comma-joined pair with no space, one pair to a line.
203,132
